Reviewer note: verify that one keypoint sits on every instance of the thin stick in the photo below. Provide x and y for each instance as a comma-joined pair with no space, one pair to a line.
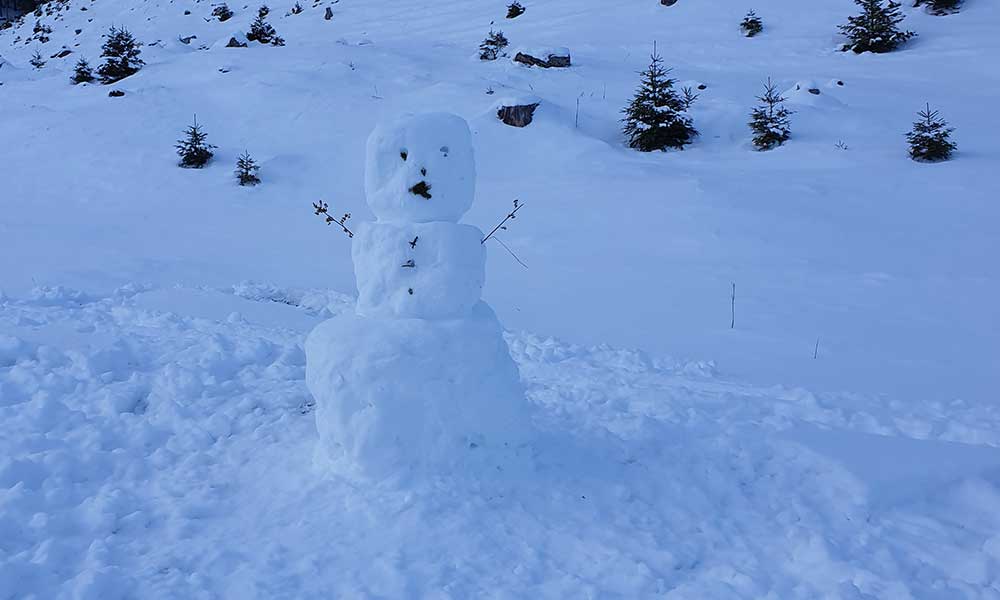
816,349
510,215
732,324
511,252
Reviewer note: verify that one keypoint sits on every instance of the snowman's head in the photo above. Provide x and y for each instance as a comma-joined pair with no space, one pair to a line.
421,168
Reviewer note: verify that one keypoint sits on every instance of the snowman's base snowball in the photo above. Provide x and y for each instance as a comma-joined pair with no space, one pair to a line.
398,397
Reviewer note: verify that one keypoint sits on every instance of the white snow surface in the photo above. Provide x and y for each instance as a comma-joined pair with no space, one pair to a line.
156,432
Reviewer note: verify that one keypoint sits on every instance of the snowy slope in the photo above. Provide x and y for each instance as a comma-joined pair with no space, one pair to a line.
157,435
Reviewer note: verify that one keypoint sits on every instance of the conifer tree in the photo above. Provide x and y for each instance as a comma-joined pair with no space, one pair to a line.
751,24
262,31
82,72
194,151
36,60
930,137
876,29
121,53
492,46
222,12
515,9
297,9
656,118
940,7
769,121
246,170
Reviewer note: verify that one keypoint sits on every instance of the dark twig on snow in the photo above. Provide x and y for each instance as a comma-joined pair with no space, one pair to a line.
509,251
510,215
732,323
322,210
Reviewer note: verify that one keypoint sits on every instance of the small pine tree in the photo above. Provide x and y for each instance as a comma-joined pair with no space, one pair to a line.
297,9
876,29
36,60
262,31
222,12
656,119
514,10
246,170
940,7
930,137
769,121
751,24
194,151
121,53
492,46
82,72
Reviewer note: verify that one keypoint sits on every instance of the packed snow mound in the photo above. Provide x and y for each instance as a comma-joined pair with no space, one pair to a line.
809,92
418,270
421,168
396,397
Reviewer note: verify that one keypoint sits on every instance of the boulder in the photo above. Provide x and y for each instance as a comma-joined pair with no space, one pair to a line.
557,57
516,113
237,40
329,13
668,2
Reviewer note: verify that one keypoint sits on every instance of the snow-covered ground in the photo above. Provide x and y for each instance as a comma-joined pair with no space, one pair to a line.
156,435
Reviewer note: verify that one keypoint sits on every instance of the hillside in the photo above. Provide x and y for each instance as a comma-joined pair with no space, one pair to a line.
152,318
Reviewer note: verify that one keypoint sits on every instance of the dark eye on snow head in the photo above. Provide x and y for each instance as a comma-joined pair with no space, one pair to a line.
403,154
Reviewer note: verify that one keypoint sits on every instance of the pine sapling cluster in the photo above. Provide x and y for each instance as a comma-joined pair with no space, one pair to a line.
36,60
930,137
514,10
297,9
121,56
82,72
770,121
493,45
194,150
246,170
262,31
222,12
657,119
876,29
751,24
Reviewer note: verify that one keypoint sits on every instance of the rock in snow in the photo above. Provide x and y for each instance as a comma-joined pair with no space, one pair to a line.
517,112
545,57
420,376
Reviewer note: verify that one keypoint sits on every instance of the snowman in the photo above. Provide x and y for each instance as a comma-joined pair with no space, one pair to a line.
419,377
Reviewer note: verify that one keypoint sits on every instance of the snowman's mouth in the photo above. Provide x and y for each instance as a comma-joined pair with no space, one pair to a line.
422,189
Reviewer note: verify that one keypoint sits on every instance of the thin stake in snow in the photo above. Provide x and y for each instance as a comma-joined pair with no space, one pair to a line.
732,323
322,209
816,349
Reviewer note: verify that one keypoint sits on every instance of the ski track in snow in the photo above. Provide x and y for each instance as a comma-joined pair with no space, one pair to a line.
160,454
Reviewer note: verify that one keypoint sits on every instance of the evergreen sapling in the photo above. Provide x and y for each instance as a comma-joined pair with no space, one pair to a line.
222,12
940,7
769,121
82,72
36,60
876,29
656,118
492,46
194,151
262,31
246,170
930,138
121,53
751,24
514,10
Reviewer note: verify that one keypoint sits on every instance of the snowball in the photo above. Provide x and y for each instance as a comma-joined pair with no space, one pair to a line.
421,168
420,270
398,396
